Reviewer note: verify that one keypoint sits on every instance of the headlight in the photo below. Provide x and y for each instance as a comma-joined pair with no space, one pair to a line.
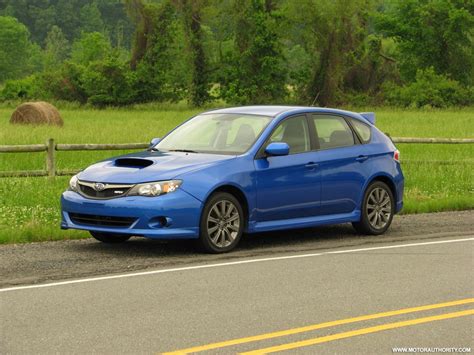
73,183
155,188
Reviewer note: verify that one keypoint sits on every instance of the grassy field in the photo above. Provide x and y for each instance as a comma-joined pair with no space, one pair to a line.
29,207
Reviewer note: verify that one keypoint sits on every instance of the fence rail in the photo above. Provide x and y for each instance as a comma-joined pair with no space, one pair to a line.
125,146
433,140
50,147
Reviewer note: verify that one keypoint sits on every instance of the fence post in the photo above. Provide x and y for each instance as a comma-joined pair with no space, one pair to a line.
50,161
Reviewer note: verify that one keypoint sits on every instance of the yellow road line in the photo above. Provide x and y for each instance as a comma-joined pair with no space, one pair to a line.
317,326
357,332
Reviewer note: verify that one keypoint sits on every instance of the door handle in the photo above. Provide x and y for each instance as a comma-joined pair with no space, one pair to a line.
362,158
312,165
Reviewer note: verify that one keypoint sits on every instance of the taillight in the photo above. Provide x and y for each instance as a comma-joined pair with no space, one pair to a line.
396,155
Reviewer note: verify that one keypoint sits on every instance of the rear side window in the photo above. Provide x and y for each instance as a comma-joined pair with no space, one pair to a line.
362,129
333,131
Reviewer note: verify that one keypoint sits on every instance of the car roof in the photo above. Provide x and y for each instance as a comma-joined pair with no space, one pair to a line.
255,110
270,110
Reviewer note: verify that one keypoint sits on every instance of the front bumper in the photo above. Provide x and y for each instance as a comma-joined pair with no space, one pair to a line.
180,210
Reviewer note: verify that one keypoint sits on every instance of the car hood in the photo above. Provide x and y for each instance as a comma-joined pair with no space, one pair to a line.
148,166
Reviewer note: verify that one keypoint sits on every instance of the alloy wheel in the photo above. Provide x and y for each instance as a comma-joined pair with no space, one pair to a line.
223,223
379,208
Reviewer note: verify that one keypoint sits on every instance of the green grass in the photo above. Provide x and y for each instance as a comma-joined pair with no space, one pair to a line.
29,207
85,126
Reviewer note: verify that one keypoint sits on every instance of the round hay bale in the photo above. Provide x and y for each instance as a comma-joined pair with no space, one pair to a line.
36,113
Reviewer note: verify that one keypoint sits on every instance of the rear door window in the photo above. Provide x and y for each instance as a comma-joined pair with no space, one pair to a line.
332,131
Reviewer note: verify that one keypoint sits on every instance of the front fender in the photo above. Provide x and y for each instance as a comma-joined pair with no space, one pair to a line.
238,173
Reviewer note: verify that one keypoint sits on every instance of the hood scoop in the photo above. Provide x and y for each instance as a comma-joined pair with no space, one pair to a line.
133,163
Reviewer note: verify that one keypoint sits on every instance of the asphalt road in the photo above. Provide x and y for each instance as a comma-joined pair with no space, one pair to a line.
336,284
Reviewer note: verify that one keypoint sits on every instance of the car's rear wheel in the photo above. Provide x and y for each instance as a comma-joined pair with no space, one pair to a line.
222,223
110,237
377,209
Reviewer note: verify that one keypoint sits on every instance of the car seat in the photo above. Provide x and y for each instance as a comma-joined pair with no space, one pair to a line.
294,136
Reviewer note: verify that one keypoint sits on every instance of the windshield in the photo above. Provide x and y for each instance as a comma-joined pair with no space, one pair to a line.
216,133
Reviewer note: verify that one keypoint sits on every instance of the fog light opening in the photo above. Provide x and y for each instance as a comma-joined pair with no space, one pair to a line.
163,221
160,222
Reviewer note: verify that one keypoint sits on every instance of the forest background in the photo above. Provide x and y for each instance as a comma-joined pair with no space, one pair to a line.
405,53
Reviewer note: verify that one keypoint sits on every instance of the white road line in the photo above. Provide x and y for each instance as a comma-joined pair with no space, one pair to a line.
249,261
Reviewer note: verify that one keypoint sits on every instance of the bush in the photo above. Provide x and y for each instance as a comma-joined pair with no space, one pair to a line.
109,83
65,83
23,89
429,89
361,99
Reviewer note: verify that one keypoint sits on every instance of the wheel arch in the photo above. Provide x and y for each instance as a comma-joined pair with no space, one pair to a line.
238,194
385,179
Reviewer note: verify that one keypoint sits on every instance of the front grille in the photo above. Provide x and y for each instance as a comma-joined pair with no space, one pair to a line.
109,190
104,221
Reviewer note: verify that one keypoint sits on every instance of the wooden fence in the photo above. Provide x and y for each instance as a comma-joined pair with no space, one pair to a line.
50,147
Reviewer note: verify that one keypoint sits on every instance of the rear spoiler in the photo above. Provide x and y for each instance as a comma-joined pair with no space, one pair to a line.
369,116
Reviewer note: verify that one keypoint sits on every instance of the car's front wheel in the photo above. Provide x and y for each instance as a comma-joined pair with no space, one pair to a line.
222,223
110,238
377,209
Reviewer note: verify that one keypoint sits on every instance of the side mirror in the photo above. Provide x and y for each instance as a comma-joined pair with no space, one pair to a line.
154,142
277,148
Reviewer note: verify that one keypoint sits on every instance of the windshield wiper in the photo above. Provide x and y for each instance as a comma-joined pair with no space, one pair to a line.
182,150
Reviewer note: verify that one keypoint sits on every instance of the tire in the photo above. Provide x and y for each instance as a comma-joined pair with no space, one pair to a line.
377,210
222,223
110,238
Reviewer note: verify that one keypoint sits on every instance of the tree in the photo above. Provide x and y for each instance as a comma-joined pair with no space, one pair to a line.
18,56
432,33
255,72
91,18
333,34
37,16
67,17
143,23
73,17
116,21
157,55
57,48
90,47
191,11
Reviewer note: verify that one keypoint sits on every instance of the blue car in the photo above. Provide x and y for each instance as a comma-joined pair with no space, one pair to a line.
242,170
